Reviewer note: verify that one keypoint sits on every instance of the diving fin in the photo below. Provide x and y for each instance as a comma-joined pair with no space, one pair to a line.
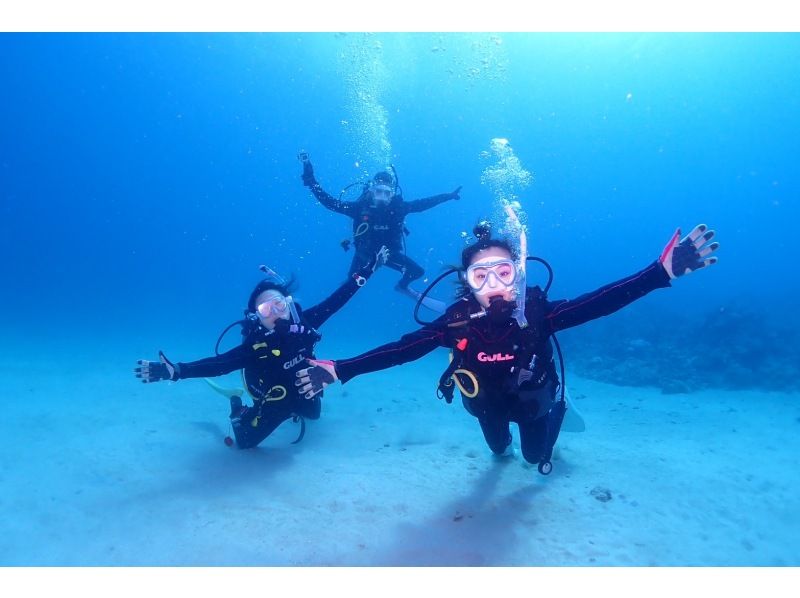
226,392
429,302
573,420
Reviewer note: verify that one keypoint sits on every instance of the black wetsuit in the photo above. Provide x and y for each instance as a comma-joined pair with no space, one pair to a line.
269,360
496,352
377,225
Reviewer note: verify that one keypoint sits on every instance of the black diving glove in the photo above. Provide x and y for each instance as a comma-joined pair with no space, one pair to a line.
311,381
154,371
368,269
692,253
308,170
456,194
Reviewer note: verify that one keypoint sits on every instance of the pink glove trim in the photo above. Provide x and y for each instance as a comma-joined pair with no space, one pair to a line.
671,245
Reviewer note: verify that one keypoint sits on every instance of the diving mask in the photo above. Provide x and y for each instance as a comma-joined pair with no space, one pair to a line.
273,304
382,193
483,277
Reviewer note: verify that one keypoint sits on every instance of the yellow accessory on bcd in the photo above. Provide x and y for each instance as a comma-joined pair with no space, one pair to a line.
472,378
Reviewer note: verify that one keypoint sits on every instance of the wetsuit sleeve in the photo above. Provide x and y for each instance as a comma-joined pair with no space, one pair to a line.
607,299
410,347
317,315
326,199
227,362
426,203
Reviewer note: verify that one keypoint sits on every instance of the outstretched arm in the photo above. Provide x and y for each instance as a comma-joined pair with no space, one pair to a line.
317,315
311,380
677,259
426,203
409,347
605,300
325,198
164,369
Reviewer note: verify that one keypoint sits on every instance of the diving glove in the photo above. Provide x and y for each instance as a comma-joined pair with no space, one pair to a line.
154,371
692,253
311,381
308,170
456,194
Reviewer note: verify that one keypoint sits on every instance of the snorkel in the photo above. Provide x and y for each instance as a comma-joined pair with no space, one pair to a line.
397,189
292,310
515,226
506,177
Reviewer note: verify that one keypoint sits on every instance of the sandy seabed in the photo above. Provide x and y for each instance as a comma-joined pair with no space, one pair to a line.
100,470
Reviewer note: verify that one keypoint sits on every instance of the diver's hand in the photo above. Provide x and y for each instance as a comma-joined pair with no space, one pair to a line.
456,194
154,371
311,381
692,253
308,170
381,257
368,269
284,328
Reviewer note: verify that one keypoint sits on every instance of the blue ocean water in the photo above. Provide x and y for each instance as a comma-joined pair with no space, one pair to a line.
145,177
149,174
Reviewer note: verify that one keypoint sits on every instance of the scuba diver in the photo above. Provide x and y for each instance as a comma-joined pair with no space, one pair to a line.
278,337
379,219
501,334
